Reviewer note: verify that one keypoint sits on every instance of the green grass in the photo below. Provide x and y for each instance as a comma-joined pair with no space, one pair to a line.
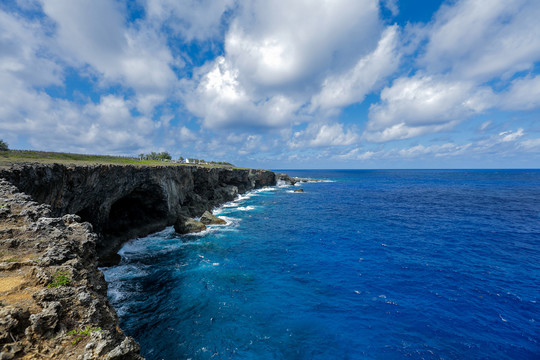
7,158
79,333
60,278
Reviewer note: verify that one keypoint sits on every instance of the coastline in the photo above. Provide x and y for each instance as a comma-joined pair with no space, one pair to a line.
53,297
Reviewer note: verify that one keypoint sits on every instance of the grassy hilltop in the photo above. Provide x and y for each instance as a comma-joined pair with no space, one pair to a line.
9,157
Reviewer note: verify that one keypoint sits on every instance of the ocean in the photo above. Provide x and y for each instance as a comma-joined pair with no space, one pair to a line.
370,264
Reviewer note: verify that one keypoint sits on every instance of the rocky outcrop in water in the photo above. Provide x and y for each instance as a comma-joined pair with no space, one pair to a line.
188,226
123,202
209,219
53,298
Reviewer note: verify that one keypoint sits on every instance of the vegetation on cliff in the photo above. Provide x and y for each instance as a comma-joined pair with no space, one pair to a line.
9,157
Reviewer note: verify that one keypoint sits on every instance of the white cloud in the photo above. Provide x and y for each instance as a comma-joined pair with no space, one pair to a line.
94,33
468,44
477,40
322,135
391,5
191,19
507,136
263,45
523,94
484,125
24,56
424,104
531,144
270,73
187,135
447,149
344,89
221,101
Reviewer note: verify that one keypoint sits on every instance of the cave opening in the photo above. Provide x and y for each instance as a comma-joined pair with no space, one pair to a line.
143,207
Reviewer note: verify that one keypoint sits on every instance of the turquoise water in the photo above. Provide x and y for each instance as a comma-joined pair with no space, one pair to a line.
373,265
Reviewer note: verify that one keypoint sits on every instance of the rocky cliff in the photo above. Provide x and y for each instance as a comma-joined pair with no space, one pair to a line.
53,297
123,202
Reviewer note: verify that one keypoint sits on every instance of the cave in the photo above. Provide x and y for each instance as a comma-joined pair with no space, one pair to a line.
144,207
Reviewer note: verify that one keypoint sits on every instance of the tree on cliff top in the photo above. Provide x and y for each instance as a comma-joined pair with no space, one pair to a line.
3,146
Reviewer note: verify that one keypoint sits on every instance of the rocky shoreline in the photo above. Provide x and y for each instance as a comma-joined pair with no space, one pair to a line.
53,297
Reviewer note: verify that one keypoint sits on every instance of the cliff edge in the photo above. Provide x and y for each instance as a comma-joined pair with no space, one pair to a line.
53,297
127,201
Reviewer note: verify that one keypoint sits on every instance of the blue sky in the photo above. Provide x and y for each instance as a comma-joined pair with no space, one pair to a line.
276,84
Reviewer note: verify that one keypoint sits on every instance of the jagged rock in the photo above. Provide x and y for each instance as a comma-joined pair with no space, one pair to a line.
123,202
70,219
12,322
127,347
189,225
209,219
35,317
45,321
299,190
118,203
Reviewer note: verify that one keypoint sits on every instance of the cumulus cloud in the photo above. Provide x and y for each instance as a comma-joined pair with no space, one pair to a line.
94,33
523,94
24,57
352,86
424,104
321,135
475,40
468,45
191,19
270,74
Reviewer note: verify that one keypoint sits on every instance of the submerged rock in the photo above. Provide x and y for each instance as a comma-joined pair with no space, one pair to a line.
299,190
188,225
209,219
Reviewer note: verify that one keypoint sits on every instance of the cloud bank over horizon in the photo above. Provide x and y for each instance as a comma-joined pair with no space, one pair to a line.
281,84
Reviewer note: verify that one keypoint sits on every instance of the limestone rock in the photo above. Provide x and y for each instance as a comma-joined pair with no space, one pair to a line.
209,219
189,225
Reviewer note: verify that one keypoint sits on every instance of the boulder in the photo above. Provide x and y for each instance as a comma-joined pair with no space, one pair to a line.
208,219
188,225
299,190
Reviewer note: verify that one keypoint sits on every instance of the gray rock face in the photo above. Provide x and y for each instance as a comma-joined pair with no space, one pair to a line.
188,225
53,298
123,201
209,219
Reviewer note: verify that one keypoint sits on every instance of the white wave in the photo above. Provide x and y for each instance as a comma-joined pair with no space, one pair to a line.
282,183
245,208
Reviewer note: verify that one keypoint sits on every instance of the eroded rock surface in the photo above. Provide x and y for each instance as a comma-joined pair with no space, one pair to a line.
209,219
123,201
53,298
188,225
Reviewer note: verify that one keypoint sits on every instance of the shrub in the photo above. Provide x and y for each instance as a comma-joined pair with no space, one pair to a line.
87,331
60,278
3,146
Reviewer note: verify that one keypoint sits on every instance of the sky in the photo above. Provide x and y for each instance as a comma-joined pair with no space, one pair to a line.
281,84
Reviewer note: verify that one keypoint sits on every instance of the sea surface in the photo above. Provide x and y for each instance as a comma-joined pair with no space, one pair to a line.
435,264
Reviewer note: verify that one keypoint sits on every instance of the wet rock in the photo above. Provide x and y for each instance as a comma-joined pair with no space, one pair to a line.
299,190
189,225
209,219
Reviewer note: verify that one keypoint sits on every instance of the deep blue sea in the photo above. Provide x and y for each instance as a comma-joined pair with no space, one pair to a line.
434,264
